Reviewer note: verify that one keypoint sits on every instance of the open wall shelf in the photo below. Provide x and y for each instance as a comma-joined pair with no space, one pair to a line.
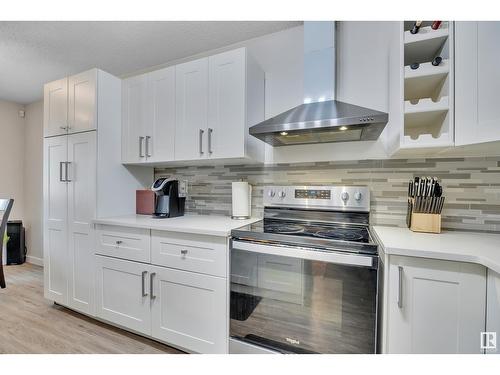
428,91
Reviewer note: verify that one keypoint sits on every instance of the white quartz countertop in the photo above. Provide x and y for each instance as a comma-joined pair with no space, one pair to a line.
473,247
213,225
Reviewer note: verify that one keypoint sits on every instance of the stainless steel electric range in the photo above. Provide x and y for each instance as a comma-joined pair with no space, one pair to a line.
305,278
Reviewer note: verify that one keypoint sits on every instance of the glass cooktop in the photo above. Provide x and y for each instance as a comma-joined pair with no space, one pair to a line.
350,233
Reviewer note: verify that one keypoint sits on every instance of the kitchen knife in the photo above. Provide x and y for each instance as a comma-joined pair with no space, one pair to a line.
433,188
429,185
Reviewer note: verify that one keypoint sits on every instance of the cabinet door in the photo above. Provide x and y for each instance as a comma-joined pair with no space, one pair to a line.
191,94
226,120
81,210
441,306
493,312
189,310
55,108
135,118
477,78
82,107
122,293
160,134
55,193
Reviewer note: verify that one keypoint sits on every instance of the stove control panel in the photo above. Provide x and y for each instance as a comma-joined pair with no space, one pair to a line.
342,198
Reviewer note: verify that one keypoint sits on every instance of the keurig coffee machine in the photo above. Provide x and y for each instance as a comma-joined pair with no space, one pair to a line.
170,197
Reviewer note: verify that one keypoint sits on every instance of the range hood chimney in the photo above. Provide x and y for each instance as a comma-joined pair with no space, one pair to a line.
321,118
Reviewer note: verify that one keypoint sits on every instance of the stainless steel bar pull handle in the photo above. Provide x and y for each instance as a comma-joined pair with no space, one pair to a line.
201,141
148,151
144,293
66,171
151,291
60,171
210,131
141,151
400,287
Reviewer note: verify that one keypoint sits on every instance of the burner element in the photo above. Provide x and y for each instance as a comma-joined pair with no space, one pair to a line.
340,234
284,228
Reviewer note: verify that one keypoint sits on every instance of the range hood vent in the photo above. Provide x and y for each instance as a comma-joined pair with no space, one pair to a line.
321,119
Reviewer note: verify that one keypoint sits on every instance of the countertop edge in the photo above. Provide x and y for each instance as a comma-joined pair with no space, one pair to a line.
120,221
455,257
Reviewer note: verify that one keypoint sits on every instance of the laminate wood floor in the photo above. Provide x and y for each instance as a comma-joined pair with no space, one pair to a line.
31,324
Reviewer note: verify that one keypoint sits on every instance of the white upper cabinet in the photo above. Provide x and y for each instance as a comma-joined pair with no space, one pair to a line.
477,79
194,111
70,104
135,117
226,105
82,110
55,108
434,306
191,110
160,134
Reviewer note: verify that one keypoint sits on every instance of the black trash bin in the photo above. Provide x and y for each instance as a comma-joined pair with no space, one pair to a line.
16,249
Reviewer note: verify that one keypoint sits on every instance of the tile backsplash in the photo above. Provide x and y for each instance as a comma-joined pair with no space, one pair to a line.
471,186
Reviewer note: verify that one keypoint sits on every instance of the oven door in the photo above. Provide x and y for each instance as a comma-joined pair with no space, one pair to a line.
296,300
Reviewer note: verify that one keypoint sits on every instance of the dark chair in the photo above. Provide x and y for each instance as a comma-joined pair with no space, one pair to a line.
5,207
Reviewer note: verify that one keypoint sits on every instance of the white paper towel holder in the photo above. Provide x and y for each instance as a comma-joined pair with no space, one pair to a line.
245,217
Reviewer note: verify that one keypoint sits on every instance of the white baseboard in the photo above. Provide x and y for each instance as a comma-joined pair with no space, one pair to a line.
34,260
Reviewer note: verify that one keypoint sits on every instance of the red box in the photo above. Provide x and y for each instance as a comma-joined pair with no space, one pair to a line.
144,202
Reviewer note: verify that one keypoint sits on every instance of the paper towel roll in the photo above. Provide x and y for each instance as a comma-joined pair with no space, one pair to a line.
242,200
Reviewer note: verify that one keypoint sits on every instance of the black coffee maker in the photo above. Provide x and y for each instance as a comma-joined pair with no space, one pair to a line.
170,197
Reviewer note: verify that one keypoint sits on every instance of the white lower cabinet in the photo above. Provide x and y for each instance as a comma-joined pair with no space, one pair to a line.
434,306
122,293
493,312
181,299
189,310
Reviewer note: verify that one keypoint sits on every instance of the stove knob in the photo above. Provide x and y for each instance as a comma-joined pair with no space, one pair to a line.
281,194
271,193
357,196
345,196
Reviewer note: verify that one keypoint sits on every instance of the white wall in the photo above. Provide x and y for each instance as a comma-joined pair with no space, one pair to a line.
33,177
12,156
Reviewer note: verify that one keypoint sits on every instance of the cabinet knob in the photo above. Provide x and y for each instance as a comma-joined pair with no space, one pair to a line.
184,252
118,243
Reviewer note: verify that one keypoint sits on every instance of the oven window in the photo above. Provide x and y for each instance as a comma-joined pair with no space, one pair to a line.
302,306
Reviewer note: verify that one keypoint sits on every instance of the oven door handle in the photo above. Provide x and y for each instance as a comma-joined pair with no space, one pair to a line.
358,260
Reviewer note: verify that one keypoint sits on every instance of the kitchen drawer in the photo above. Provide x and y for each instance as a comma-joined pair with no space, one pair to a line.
190,252
123,242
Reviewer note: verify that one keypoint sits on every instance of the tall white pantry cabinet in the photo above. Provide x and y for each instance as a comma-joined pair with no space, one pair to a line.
83,178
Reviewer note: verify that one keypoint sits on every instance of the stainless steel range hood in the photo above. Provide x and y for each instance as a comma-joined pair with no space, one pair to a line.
321,118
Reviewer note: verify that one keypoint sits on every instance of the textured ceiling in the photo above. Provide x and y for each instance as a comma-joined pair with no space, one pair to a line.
33,53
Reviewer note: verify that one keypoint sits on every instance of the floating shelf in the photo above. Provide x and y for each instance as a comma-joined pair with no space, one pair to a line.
425,45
